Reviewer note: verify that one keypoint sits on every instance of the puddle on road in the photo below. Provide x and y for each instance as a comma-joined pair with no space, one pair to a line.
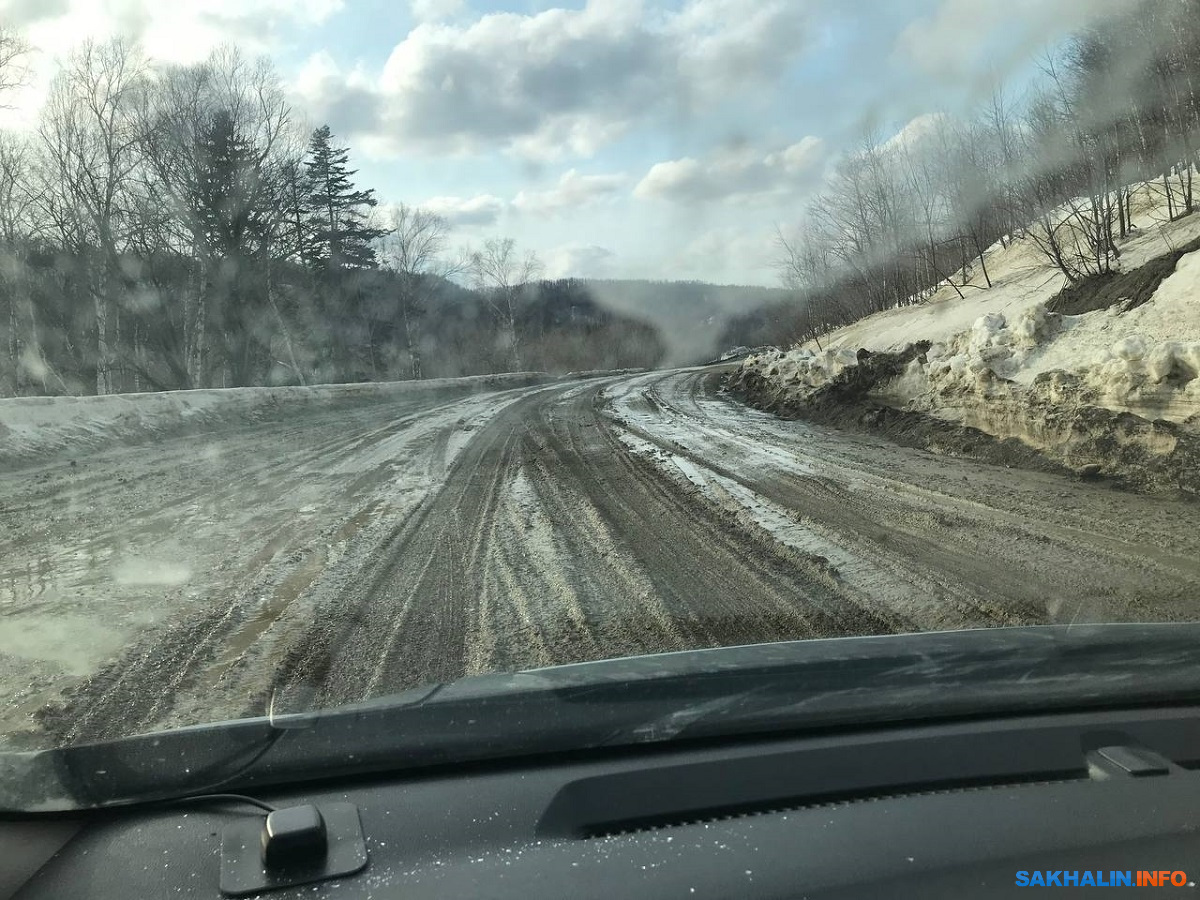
273,607
155,571
41,654
286,592
67,611
75,643
49,578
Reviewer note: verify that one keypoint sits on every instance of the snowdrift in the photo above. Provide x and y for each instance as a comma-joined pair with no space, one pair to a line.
35,428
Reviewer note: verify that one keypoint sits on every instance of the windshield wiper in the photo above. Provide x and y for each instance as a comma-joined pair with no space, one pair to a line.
762,689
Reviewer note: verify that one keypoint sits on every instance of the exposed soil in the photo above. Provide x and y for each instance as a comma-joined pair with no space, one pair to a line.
1130,289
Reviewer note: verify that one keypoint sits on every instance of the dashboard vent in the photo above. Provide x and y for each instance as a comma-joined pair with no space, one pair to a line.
621,829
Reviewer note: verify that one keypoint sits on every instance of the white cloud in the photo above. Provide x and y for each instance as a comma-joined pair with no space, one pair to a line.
801,158
917,130
21,13
949,44
727,254
725,43
435,10
579,261
170,32
565,82
739,174
677,178
173,32
572,193
316,71
481,211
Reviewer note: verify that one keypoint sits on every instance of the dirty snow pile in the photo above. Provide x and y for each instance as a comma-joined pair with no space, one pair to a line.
1145,360
977,360
801,370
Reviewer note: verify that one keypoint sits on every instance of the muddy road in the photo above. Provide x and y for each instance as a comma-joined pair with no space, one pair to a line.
339,555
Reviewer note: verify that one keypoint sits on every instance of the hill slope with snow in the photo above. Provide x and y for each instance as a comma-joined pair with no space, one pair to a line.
999,358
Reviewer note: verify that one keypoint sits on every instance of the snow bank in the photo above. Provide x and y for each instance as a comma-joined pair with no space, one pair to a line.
1145,361
1116,388
35,427
991,342
801,370
992,348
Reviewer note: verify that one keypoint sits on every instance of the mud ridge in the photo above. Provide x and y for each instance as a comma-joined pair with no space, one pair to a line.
1050,428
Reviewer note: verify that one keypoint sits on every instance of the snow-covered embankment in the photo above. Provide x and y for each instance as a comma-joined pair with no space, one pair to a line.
1112,391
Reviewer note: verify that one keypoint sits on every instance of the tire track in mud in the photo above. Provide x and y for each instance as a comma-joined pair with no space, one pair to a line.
547,539
726,586
551,544
985,545
884,563
417,590
183,659
915,563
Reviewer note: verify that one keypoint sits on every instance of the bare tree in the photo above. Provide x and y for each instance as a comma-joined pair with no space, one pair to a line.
13,52
17,223
499,273
14,206
924,171
90,139
414,248
970,170
218,145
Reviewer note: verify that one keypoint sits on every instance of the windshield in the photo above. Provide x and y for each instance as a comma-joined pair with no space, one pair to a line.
351,349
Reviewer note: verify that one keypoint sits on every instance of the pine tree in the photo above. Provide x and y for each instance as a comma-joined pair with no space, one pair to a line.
229,200
229,185
338,234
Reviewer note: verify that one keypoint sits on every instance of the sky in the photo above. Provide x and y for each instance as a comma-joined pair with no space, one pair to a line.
616,138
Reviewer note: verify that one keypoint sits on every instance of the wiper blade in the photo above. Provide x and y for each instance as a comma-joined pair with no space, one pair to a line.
164,765
770,688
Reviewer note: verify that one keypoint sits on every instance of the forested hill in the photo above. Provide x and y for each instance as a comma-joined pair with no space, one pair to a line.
572,324
168,227
693,320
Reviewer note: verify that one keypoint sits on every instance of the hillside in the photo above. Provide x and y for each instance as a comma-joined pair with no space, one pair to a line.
695,320
1104,374
573,324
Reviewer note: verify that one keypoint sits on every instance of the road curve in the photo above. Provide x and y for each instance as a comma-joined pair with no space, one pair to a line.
379,551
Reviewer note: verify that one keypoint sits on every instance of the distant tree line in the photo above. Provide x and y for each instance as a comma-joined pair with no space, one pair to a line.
1119,104
171,227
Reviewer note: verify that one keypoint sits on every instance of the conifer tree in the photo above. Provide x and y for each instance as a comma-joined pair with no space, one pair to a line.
336,212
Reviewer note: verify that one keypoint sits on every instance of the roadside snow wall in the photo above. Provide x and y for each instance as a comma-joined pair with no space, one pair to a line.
46,428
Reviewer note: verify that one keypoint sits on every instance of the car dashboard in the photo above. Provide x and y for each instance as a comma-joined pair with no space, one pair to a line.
942,809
